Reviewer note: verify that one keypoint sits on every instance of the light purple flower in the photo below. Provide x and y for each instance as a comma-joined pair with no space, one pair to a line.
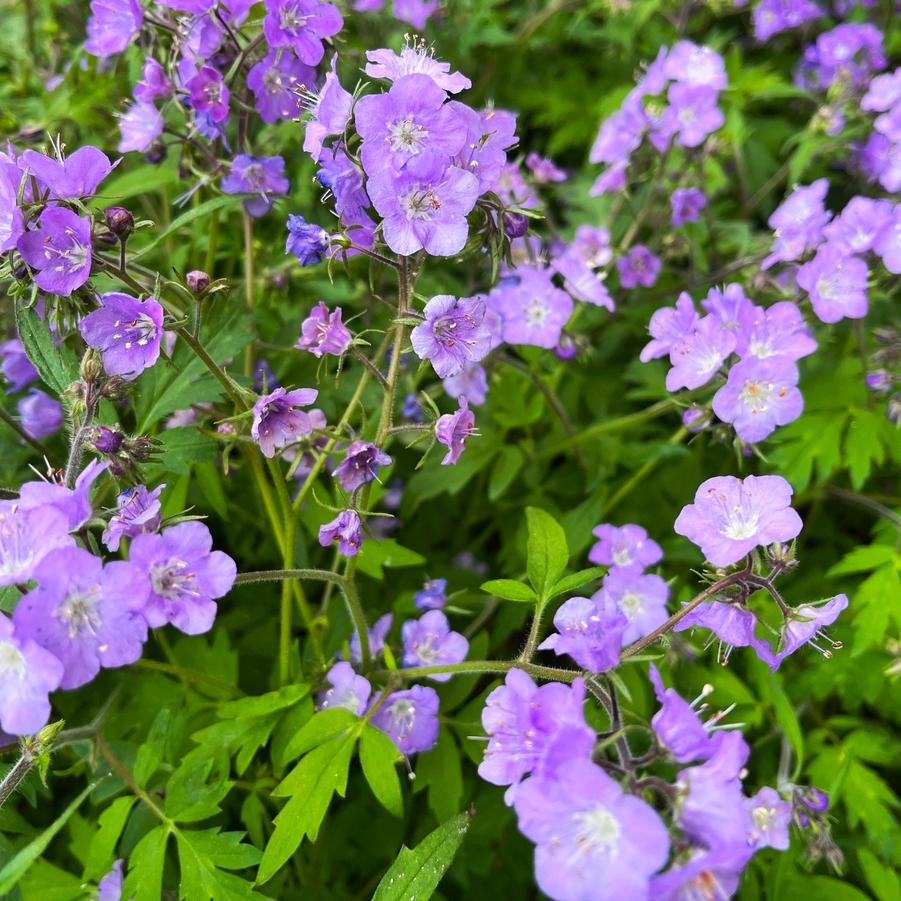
471,382
836,284
883,92
544,170
624,547
687,204
429,641
140,126
706,873
692,115
76,175
209,94
17,369
589,633
377,635
307,241
80,612
154,82
638,267
110,887
770,819
73,503
126,331
489,134
410,719
330,113
578,262
776,332
301,25
640,598
453,333
415,12
669,326
323,332
593,841
12,224
176,577
758,396
677,724
28,674
39,414
346,527
112,26
534,311
414,59
425,206
453,429
348,690
525,722
276,81
798,223
59,250
734,309
773,16
730,516
732,624
804,625
697,357
277,421
137,511
849,53
262,176
888,243
695,64
856,228
360,465
432,595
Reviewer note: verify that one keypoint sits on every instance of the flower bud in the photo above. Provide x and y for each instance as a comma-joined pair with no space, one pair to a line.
566,348
91,366
108,441
893,410
198,281
515,225
156,154
120,221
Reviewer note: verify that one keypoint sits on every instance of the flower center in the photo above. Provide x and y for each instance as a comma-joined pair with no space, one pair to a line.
173,580
622,555
140,331
537,312
79,611
69,253
290,19
420,203
12,663
406,135
631,604
757,396
597,830
403,713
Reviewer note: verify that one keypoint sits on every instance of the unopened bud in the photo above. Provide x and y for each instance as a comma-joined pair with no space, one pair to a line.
91,366
198,281
156,154
226,428
120,221
515,225
108,441
566,348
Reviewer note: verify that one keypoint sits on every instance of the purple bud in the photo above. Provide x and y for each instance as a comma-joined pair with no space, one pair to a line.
695,419
198,281
566,348
108,441
879,381
515,225
120,221
815,800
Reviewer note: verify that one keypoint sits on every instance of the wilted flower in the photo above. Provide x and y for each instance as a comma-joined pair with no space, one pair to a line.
347,529
277,421
452,430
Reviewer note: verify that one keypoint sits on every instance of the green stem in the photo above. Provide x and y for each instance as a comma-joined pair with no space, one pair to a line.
280,575
248,285
550,673
528,652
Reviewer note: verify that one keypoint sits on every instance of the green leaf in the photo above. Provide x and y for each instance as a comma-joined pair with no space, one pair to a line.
310,787
506,467
577,580
876,601
56,365
415,874
197,212
102,852
266,703
200,783
378,756
510,590
377,554
440,771
881,879
203,856
547,551
323,726
863,559
862,445
15,869
150,754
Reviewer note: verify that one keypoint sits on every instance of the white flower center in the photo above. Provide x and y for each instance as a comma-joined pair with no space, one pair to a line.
537,312
407,136
597,830
79,611
757,396
12,663
631,604
420,203
173,580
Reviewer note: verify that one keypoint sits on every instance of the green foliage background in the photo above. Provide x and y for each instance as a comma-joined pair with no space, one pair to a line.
200,725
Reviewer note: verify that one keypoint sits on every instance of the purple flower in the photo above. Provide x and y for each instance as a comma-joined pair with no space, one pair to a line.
593,841
176,577
770,818
377,635
734,309
588,632
140,126
471,383
773,16
732,624
276,81
453,429
29,674
415,59
804,625
323,332
836,283
154,82
687,204
126,331
348,690
692,114
40,414
849,53
638,267
888,243
77,175
409,718
308,242
262,176
856,228
209,95
533,310
59,250
883,92
331,111
11,222
524,724
415,12
640,598
432,595
695,64
678,725
578,262
110,887
74,504
669,326
425,206
112,26
697,357
543,169
489,134
277,421
347,529
301,25
730,517
360,465
777,332
429,641
798,223
137,512
453,333
758,396
80,612
624,547
705,874
17,369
